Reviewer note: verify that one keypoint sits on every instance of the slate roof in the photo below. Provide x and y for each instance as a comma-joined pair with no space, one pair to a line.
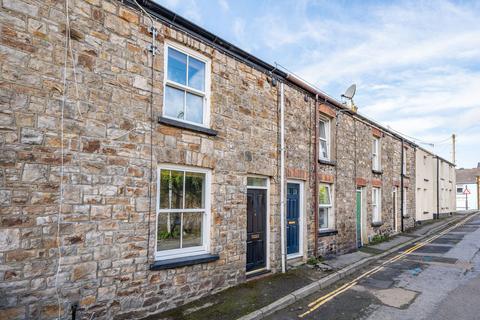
467,175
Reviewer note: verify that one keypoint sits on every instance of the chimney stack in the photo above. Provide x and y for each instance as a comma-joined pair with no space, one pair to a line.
478,165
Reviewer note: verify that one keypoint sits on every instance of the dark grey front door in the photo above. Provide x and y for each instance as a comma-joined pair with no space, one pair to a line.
256,228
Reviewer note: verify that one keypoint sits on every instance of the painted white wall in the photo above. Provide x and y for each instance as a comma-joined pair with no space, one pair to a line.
426,186
447,187
425,172
472,197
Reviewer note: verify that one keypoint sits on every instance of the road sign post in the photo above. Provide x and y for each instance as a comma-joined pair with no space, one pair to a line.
466,192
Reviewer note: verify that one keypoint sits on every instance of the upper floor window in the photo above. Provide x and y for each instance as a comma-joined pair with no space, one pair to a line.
325,207
186,91
376,153
183,211
404,161
324,139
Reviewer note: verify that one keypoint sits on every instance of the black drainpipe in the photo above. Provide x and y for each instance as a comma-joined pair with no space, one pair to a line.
438,189
401,187
74,310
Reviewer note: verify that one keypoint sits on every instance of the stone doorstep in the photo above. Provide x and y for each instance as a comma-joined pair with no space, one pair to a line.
334,277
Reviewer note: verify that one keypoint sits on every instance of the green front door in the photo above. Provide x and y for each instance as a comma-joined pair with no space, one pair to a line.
359,218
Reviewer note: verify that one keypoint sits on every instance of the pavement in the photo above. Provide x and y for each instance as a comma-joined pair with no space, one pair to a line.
435,278
291,292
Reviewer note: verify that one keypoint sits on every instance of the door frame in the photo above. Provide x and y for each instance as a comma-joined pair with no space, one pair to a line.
395,206
267,225
362,215
301,211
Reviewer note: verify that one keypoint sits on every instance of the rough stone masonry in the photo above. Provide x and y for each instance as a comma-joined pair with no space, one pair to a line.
106,220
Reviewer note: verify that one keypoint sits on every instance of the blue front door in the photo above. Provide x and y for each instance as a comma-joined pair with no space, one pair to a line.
293,215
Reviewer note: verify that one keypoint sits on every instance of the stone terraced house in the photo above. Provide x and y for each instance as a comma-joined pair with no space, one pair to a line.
131,183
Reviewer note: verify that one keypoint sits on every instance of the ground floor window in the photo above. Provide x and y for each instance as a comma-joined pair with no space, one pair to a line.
376,205
325,207
183,211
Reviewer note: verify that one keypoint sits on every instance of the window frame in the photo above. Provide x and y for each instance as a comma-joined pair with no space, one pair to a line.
326,123
405,214
376,205
206,95
404,162
376,153
330,208
206,220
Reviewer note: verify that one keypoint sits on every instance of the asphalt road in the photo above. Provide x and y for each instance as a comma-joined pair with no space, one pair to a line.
436,279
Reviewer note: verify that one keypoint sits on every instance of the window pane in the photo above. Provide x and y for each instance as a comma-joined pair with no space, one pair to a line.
323,218
177,190
322,129
164,189
194,186
174,100
177,66
168,232
324,195
196,74
192,229
256,182
194,108
323,149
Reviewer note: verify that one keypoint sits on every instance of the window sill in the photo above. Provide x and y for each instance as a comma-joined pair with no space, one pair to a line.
187,126
377,224
327,162
327,232
183,261
377,171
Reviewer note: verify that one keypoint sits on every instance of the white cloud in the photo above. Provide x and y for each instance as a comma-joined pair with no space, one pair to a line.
189,8
224,5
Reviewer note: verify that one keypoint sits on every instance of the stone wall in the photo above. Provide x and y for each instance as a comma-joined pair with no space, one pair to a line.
112,147
352,168
105,216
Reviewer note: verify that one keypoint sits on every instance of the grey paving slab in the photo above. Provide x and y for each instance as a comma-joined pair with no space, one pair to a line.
465,229
446,241
428,258
456,236
433,249
376,283
347,259
392,243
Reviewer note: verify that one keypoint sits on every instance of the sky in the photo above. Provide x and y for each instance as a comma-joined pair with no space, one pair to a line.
416,64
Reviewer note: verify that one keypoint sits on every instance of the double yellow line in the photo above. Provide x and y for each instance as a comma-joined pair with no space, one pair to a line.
329,296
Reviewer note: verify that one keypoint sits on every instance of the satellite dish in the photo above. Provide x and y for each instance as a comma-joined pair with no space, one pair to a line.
350,92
